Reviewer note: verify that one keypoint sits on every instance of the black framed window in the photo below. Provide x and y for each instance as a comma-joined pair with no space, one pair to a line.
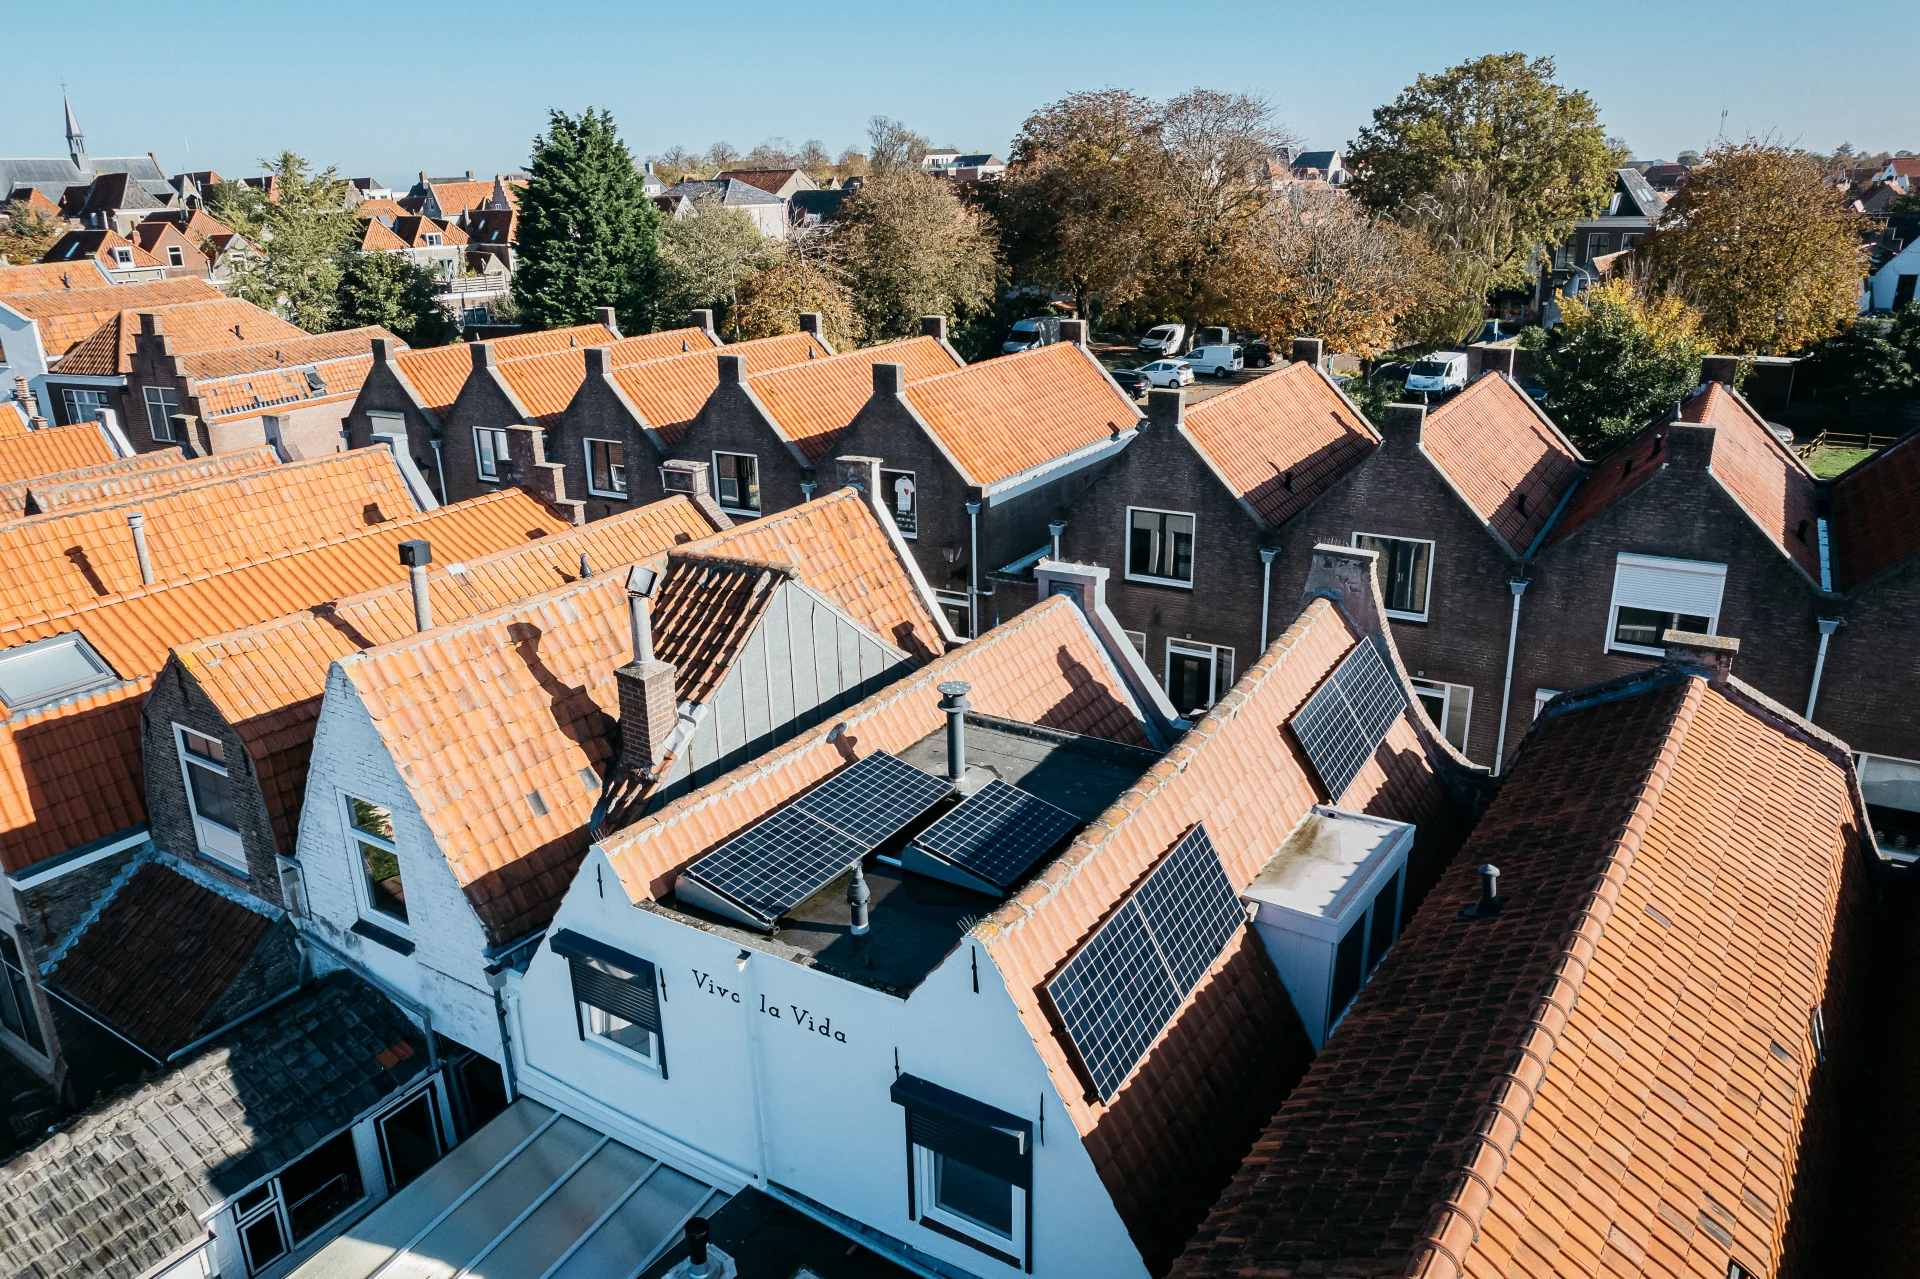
16,998
616,999
969,1169
1160,546
736,479
902,497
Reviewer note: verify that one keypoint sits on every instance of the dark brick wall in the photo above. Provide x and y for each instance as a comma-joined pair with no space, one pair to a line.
732,421
599,412
884,428
483,401
384,392
153,364
1871,684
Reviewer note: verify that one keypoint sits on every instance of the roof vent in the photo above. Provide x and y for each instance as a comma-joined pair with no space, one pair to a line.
1490,901
416,554
138,523
953,700
586,569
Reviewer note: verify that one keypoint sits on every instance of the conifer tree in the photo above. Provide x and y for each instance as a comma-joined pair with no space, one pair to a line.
589,234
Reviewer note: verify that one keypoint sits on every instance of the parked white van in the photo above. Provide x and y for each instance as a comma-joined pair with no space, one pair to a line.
1439,373
1217,360
1164,339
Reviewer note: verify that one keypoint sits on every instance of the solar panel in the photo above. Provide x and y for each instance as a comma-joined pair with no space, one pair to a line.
1117,994
873,799
1342,724
997,832
770,868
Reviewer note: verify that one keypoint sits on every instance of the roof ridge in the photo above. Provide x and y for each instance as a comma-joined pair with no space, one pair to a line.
1441,1250
839,357
998,362
477,621
1251,384
736,563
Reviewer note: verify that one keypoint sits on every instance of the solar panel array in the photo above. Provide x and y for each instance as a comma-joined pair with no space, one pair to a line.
997,833
1118,993
775,865
1343,724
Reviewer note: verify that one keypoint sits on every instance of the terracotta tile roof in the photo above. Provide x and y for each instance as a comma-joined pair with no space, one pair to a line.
71,773
545,384
13,495
116,482
1614,476
381,208
160,955
377,237
437,373
193,327
1280,441
1008,415
14,419
768,180
1612,1074
249,393
1876,518
307,348
70,558
491,227
669,392
705,610
267,679
59,448
34,277
1763,474
456,198
813,401
97,245
413,230
1510,463
65,317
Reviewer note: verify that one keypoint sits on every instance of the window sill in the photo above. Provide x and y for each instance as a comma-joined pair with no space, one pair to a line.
744,515
942,1228
1635,650
617,497
1159,581
220,863
380,936
627,1055
1408,617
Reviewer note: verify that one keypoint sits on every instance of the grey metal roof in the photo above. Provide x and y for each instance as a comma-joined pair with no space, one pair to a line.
123,1188
53,176
974,161
1315,159
823,206
731,191
1633,185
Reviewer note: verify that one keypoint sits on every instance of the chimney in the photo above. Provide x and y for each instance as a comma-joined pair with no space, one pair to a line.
1709,656
953,700
888,378
599,361
603,316
1074,331
934,326
186,429
1309,351
1403,420
1720,368
149,324
383,350
1485,357
858,898
416,555
482,353
701,319
647,709
1166,408
810,323
138,523
733,369
1348,575
469,175
862,473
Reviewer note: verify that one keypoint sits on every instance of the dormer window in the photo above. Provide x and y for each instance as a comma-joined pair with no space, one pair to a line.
216,828
123,257
433,239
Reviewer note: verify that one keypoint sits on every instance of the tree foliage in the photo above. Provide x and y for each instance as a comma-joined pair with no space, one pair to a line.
908,247
797,281
1757,242
26,233
589,236
304,234
395,293
1540,146
1470,226
706,256
1616,360
1876,361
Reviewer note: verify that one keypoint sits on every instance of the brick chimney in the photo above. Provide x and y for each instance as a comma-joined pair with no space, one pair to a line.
1166,409
1309,351
603,315
889,378
1706,655
383,350
934,326
694,480
1484,357
648,712
599,361
733,369
1720,368
1403,419
482,353
527,446
701,319
810,322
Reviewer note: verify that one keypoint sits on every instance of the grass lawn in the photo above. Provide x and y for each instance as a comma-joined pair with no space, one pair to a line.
1828,463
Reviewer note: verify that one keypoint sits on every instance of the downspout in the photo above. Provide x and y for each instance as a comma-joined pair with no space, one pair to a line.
1828,625
440,472
1266,589
973,570
497,979
1518,585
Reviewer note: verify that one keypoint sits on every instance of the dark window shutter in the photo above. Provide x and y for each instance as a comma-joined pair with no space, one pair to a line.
636,1000
976,1134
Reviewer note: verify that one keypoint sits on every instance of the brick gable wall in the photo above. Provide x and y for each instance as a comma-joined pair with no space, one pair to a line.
599,412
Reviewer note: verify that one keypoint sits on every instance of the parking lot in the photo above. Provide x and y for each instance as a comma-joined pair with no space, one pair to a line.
1116,356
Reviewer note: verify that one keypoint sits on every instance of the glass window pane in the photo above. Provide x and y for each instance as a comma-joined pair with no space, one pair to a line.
208,748
320,1186
212,796
1346,971
636,1039
1689,622
22,992
411,1144
370,818
263,1240
979,1197
32,675
385,891
1640,626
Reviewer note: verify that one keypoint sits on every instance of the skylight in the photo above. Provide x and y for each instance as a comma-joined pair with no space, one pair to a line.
46,671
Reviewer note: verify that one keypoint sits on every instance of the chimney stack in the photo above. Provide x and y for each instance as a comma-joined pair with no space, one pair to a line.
1720,368
1710,656
1308,350
810,322
934,326
1166,408
416,555
599,361
603,315
138,523
889,378
1074,331
648,711
859,896
383,350
733,369
953,700
1485,357
482,353
701,319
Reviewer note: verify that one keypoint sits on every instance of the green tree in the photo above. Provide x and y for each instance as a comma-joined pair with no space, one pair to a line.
396,294
1760,245
239,206
1616,360
908,247
1469,225
1540,146
304,233
26,233
589,236
797,281
1876,361
706,256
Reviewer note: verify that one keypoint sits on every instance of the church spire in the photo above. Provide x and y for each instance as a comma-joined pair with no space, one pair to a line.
76,141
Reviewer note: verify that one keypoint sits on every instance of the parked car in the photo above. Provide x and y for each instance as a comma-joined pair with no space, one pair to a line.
1164,339
1040,330
1439,373
1133,381
1217,360
1257,352
1536,390
1168,373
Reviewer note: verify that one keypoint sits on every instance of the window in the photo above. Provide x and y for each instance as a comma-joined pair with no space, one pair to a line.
1598,243
1562,257
1652,595
1541,696
969,1170
81,405
433,239
162,404
409,1139
1364,945
1198,675
50,670
123,257
377,857
1139,641
1628,239
1160,546
17,1012
273,1218
216,828
1449,706
616,999
954,605
1891,789
737,478
900,491
490,448
175,257
1406,571
607,468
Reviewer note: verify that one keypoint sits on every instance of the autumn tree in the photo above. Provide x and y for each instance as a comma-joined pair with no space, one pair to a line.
907,247
706,256
26,233
304,234
589,236
1469,226
1618,357
1759,244
797,281
892,145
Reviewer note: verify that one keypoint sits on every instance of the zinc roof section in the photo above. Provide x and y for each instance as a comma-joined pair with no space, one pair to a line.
1282,440
71,774
118,484
192,327
1876,519
13,495
1763,474
812,402
545,384
59,448
66,316
267,679
1611,1075
437,373
1510,463
42,277
1007,415
70,558
669,392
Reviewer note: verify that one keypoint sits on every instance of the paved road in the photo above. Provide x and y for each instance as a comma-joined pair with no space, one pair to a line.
1204,387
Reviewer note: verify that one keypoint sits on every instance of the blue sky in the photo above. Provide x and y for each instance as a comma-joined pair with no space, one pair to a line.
386,89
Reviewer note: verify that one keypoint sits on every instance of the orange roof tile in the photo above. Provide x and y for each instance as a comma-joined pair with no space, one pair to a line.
456,198
437,373
813,401
381,208
59,448
193,327
1632,464
1876,518
65,317
1510,463
113,482
377,237
71,773
267,679
247,393
1763,474
1280,441
1008,415
308,348
669,392
1612,1074
546,383
67,559
13,495
14,419
35,277
413,230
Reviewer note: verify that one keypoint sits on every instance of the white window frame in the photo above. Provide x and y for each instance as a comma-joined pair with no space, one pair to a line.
597,1036
1701,569
19,700
431,1094
1126,547
911,530
275,1205
926,1174
1593,238
1426,589
954,599
160,397
1541,696
586,450
176,256
219,843
1450,695
433,239
1199,648
751,512
122,256
500,450
362,890
1139,641
70,400
18,994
